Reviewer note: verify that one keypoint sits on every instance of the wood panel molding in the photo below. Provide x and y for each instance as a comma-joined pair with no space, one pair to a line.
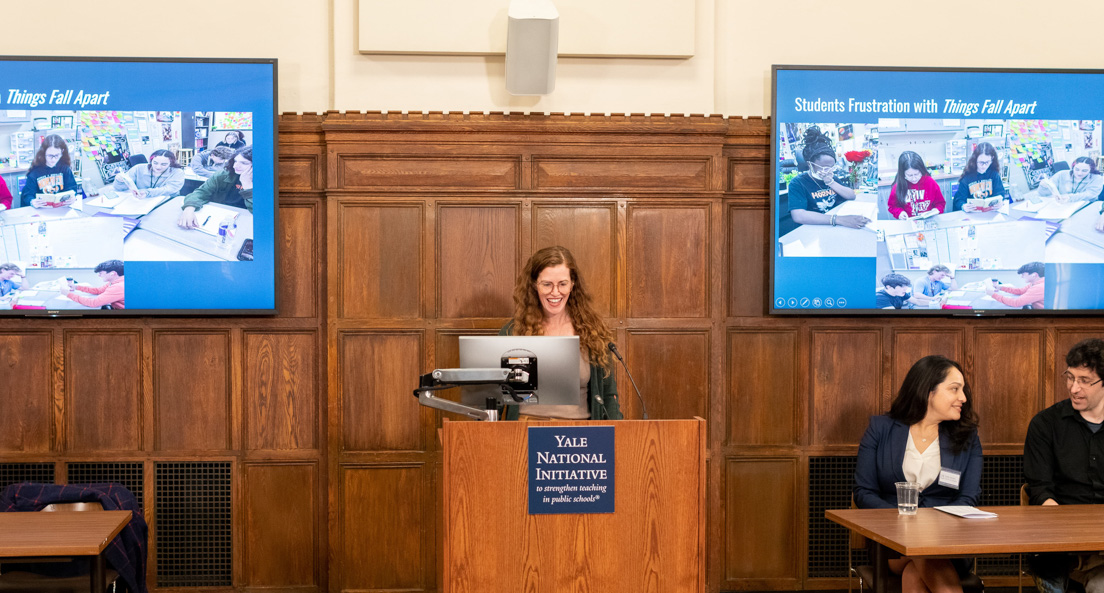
379,255
27,422
103,388
1005,400
477,260
280,387
763,384
668,258
377,371
387,171
192,391
846,375
666,174
761,538
282,525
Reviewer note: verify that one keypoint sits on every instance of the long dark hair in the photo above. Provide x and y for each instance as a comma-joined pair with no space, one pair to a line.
51,141
1091,162
908,160
245,151
167,154
982,148
594,334
911,403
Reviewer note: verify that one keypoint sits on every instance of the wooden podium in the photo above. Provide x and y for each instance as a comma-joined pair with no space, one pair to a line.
653,541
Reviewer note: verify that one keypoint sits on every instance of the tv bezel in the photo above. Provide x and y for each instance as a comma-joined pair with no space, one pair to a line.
772,310
127,312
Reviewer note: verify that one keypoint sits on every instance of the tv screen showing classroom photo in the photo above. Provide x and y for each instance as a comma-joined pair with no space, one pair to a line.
137,186
936,191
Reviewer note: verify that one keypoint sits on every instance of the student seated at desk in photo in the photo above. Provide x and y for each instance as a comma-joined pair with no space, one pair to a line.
895,294
50,172
929,437
233,187
1082,182
914,192
110,295
1062,465
933,284
161,177
1029,296
209,162
232,140
813,193
980,179
8,274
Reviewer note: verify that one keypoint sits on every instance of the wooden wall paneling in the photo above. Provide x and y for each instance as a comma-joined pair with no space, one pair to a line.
748,174
301,153
381,171
666,173
26,418
910,345
748,267
846,373
300,257
763,387
103,390
477,259
1009,384
672,372
380,258
668,260
280,390
281,525
192,391
387,528
590,232
762,539
378,371
1063,341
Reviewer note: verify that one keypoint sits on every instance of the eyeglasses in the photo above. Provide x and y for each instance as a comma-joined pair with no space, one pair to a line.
546,287
1082,381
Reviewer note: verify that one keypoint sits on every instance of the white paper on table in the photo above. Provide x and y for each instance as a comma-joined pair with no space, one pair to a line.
23,301
800,249
959,302
107,199
966,512
1057,210
132,206
851,208
212,215
28,293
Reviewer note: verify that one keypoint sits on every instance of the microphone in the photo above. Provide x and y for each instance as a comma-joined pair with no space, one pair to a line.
613,348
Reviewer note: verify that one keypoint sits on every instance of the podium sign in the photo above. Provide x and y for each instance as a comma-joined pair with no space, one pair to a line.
571,470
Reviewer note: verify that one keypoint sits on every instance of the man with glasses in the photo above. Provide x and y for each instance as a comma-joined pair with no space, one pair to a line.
1064,463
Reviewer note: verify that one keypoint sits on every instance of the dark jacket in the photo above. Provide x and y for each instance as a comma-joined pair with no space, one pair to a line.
601,391
47,180
881,453
126,553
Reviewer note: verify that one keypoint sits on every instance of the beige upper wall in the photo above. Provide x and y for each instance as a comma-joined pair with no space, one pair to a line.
736,43
296,32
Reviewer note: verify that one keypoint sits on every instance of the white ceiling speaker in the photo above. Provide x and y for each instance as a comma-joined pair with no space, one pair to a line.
532,41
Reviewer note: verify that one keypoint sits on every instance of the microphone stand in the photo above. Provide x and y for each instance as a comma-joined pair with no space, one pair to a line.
613,349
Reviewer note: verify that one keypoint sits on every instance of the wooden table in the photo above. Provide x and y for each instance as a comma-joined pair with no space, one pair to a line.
46,535
1016,530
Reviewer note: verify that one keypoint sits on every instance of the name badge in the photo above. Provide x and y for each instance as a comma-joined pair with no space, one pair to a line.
949,478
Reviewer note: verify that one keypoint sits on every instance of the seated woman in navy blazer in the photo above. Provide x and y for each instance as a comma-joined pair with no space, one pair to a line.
935,404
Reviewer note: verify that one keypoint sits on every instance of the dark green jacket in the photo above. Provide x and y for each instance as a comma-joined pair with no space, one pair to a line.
601,391
220,190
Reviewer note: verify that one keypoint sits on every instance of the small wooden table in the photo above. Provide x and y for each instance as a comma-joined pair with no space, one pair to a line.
45,535
1015,530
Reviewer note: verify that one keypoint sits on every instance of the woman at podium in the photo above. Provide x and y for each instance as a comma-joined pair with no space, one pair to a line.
929,437
550,299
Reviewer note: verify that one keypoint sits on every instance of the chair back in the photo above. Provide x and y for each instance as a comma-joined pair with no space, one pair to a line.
1024,499
72,506
857,541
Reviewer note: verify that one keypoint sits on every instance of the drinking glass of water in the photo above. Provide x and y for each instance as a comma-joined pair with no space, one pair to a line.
908,495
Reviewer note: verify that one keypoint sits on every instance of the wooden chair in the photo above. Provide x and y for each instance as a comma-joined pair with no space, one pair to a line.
28,582
865,572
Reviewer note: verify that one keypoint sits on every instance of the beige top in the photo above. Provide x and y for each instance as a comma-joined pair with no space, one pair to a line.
578,411
921,467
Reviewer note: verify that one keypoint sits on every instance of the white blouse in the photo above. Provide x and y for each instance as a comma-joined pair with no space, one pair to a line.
921,467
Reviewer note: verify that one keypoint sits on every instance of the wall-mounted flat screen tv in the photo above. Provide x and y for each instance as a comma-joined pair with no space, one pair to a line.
930,191
137,186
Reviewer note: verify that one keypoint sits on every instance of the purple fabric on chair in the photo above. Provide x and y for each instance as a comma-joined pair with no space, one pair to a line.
126,553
